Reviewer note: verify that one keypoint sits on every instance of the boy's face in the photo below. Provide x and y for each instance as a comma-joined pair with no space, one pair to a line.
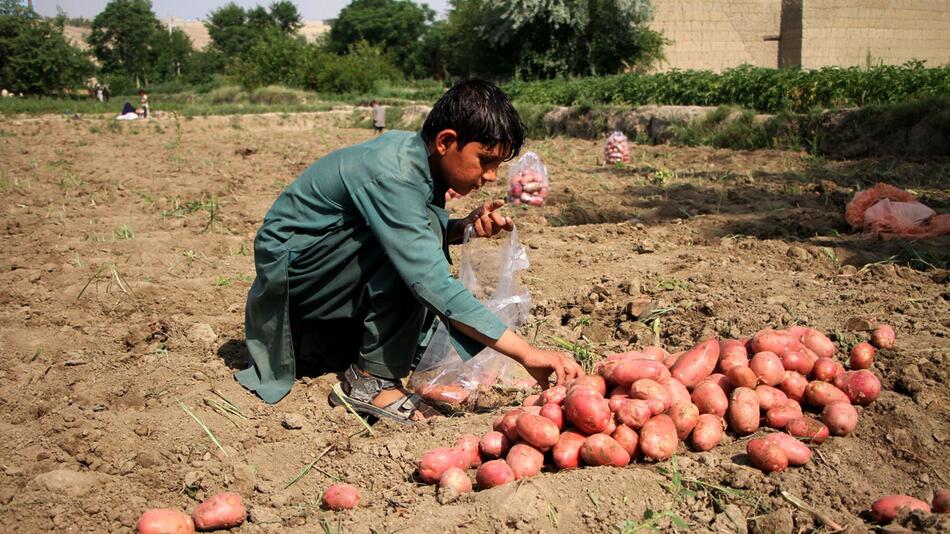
468,168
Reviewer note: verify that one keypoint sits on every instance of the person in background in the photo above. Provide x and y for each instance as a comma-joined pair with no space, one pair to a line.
99,93
143,103
379,117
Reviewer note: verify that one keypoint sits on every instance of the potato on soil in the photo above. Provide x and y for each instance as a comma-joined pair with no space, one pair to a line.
885,509
494,473
732,352
684,416
553,395
793,385
342,497
524,460
743,413
819,343
710,398
588,411
567,450
165,521
778,416
862,387
538,431
808,429
601,449
941,502
628,439
454,482
469,444
494,444
634,413
707,433
697,363
795,450
798,361
767,367
554,413
840,417
741,376
434,462
861,356
824,369
766,455
678,392
220,511
627,372
509,424
595,382
658,439
647,389
531,400
883,337
769,396
821,394
774,341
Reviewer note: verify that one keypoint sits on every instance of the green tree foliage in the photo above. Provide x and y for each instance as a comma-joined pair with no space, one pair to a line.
396,26
35,57
357,71
174,54
234,31
275,58
126,38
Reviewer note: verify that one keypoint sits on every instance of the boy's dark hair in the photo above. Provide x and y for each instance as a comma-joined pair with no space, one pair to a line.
478,111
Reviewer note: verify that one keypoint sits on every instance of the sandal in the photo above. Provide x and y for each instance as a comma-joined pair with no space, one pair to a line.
358,392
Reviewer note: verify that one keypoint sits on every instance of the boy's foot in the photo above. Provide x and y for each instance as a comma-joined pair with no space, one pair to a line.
379,397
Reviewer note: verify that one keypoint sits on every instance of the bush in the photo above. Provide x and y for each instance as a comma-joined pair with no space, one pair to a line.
358,71
228,94
275,94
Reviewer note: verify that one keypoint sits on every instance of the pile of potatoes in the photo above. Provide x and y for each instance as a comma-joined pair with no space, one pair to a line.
641,404
527,186
219,512
616,150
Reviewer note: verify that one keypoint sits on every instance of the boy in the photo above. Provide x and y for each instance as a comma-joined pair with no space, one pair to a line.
352,263
379,117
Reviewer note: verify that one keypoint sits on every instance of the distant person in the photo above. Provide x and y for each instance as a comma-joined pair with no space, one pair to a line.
379,117
143,103
99,94
129,113
127,108
105,92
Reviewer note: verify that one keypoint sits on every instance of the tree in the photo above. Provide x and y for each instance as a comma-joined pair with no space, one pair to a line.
234,31
286,16
125,38
396,26
174,51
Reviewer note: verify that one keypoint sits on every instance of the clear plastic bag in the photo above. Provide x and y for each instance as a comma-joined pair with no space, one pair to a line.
490,379
528,181
616,149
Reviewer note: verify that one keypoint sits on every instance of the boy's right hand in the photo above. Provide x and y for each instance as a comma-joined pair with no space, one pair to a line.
541,363
487,221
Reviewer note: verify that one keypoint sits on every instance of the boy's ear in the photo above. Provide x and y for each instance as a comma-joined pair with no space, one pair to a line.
444,140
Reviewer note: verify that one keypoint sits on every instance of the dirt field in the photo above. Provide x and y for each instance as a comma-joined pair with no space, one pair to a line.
126,259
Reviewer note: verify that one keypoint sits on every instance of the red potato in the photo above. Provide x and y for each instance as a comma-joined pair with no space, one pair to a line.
743,413
219,512
524,461
601,449
590,412
778,416
554,395
769,397
697,363
554,413
595,382
647,389
672,358
634,413
494,444
862,387
793,385
795,451
343,497
453,483
494,473
862,356
533,410
941,502
885,509
469,444
685,416
841,377
435,461
808,429
767,367
567,450
165,521
766,455
629,371
821,394
616,402
611,426
652,352
819,343
732,352
883,337
840,417
741,376
710,398
797,331
774,341
658,439
619,391
539,432
509,424
678,392
628,439
798,361
531,400
720,380
707,433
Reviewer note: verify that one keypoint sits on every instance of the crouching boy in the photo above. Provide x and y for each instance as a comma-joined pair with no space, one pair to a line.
352,260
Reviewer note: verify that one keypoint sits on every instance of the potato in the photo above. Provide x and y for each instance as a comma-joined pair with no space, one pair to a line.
469,444
600,449
553,395
796,451
494,473
221,511
533,410
524,460
707,433
628,439
616,402
343,497
941,502
732,352
841,377
595,382
767,367
611,426
720,380
539,432
554,413
769,397
710,398
648,389
531,400
793,385
779,415
741,376
567,450
819,343
435,461
885,509
685,416
697,363
165,521
652,352
808,429
883,337
634,413
821,394
589,412
629,371
509,424
862,387
798,361
766,455
494,444
678,392
743,413
658,439
840,417
773,341
862,356
453,483
671,359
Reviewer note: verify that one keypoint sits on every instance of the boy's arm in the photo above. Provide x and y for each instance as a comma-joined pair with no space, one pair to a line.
486,220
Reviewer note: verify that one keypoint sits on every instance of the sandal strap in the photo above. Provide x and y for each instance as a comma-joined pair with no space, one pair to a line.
404,406
365,388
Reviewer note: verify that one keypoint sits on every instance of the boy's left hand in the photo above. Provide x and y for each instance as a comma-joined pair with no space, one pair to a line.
487,221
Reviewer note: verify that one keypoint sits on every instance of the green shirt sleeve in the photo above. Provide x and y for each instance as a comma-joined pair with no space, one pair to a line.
394,208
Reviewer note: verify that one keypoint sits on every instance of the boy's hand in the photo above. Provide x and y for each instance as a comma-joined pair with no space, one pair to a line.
541,363
487,221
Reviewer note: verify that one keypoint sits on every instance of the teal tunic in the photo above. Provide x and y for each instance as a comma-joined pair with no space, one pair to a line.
358,237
